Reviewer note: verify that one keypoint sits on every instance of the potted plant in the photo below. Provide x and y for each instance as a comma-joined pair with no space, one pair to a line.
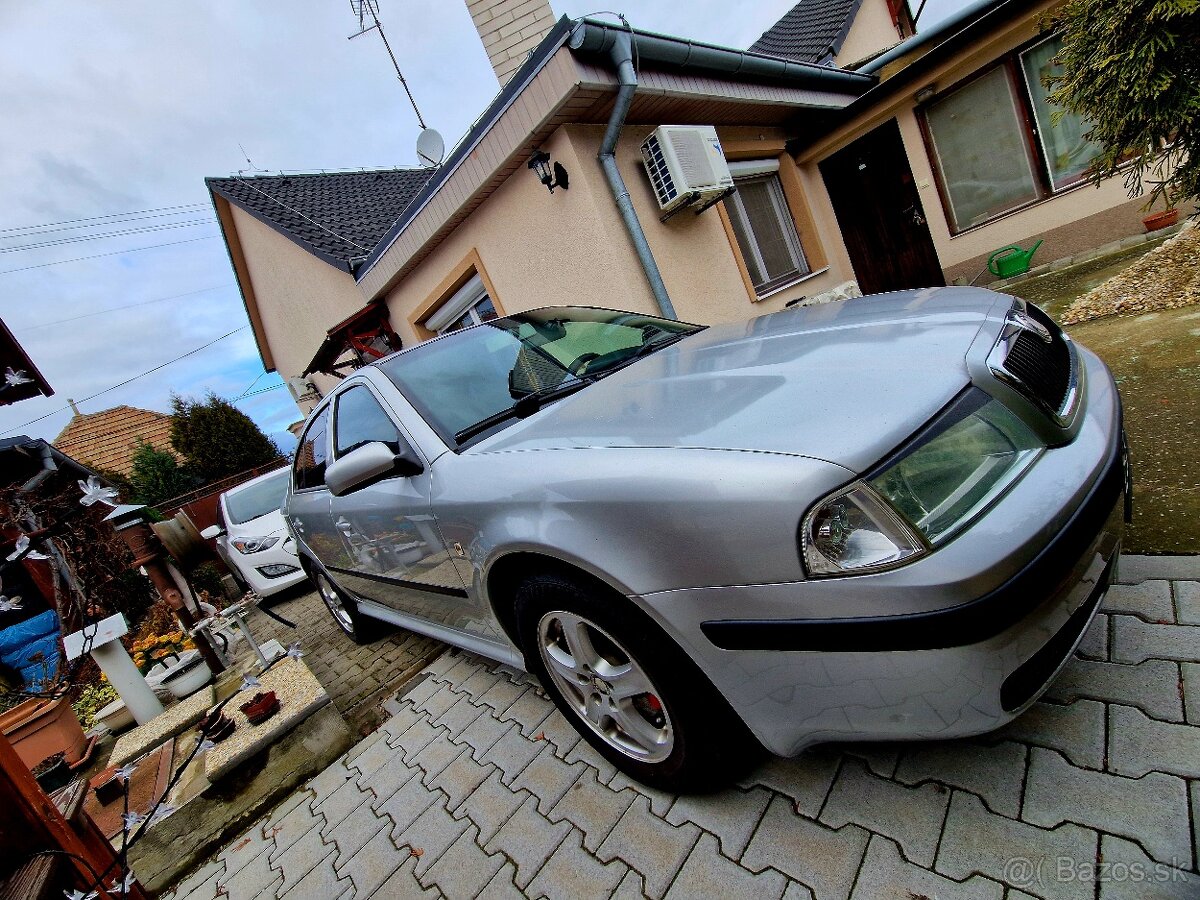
52,773
183,670
41,727
1164,218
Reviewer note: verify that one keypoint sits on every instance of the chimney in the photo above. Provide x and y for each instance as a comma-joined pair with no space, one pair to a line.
509,29
74,408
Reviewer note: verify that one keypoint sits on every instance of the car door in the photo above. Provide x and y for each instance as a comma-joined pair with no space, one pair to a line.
391,550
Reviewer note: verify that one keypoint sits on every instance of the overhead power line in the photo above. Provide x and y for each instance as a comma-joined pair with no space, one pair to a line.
100,312
59,262
128,380
103,235
188,207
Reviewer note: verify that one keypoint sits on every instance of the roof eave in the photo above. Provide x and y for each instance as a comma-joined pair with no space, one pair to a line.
237,259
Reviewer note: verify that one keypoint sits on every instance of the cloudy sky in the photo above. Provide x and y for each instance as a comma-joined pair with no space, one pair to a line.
115,112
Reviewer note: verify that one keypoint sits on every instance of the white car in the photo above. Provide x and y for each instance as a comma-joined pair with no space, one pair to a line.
252,536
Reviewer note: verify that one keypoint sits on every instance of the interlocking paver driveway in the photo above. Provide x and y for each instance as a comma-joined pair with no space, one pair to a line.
477,787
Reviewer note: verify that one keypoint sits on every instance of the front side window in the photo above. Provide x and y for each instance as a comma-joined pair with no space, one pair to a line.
766,232
311,455
361,420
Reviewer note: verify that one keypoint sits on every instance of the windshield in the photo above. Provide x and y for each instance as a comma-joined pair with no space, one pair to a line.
253,500
468,376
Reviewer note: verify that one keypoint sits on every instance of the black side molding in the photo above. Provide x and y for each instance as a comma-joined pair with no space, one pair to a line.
401,582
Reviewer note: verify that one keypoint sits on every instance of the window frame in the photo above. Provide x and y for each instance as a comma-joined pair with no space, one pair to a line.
767,170
325,409
1011,62
336,452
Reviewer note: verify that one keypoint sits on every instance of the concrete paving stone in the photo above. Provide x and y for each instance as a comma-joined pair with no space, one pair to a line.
660,801
632,887
1190,673
1135,641
456,719
501,886
1194,790
527,838
1094,643
1152,686
1126,873
490,805
978,841
436,755
341,803
1138,745
996,773
373,759
373,864
707,873
419,688
362,747
329,780
463,870
560,732
1151,810
301,858
1134,568
440,701
886,875
572,873
529,711
481,734
1187,602
511,753
818,857
388,778
806,779
1151,600
406,804
1076,729
732,815
442,664
200,890
202,881
911,816
797,891
238,853
400,721
592,808
503,694
256,879
403,884
461,777
431,835
479,682
655,848
468,664
585,753
353,832
289,828
881,759
547,777
322,883
415,739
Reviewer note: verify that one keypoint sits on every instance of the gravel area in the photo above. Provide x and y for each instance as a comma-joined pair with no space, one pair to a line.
1165,278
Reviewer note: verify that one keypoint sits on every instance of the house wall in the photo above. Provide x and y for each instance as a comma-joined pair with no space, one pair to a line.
1079,219
872,30
299,297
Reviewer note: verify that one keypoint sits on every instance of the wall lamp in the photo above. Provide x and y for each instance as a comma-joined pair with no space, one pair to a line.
551,176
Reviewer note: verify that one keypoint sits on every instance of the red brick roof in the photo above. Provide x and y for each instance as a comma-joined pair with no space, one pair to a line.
108,439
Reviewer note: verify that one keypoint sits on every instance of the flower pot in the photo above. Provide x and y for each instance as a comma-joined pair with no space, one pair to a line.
52,774
217,726
40,728
261,708
187,677
1164,219
115,716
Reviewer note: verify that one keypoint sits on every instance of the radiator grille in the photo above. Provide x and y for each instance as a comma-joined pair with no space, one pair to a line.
1043,369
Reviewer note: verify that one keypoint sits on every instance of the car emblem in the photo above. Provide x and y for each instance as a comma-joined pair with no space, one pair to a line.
1022,321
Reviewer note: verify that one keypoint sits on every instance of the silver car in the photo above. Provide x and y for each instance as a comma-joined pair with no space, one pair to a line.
888,518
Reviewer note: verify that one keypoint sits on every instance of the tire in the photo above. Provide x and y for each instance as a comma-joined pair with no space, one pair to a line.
679,734
359,628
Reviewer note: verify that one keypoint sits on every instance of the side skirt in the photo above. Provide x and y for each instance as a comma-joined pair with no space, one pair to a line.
501,653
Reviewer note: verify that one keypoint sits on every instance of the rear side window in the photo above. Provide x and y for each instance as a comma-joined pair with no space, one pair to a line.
360,420
312,452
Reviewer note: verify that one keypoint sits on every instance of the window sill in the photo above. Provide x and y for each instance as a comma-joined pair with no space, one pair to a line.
790,284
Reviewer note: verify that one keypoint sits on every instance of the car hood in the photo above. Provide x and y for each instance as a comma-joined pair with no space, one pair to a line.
264,526
842,382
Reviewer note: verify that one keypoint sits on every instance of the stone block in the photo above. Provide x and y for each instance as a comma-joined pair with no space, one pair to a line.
1076,729
456,719
171,722
373,864
352,833
1135,641
806,779
529,711
1138,745
460,778
592,808
1190,673
341,803
406,804
732,815
403,884
321,881
572,873
490,805
527,838
463,870
1187,602
1150,600
1134,569
511,753
430,835
501,887
886,875
707,873
481,734
1151,686
256,879
301,858
1094,643
650,845
995,773
436,755
547,777
1128,874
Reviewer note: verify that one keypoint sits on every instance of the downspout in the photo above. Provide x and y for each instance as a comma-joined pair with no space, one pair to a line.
622,57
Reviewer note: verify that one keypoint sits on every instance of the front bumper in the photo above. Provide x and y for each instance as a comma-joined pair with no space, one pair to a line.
250,566
954,669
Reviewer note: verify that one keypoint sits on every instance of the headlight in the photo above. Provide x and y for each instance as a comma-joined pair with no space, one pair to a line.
255,544
925,493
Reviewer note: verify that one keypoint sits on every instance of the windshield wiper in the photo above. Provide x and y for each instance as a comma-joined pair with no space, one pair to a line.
644,350
526,406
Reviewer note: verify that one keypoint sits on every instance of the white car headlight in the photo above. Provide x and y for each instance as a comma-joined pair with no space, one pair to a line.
254,544
934,486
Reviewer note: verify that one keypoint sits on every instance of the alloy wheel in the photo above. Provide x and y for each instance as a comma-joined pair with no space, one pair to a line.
334,601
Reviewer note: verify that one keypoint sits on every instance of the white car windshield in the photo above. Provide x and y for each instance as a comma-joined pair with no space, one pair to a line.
242,504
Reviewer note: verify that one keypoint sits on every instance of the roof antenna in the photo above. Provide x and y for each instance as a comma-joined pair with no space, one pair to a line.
430,146
250,167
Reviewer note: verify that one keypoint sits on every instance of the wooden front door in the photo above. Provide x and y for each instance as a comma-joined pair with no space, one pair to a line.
880,214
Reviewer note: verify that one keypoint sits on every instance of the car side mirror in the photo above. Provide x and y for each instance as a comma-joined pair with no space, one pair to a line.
370,463
212,531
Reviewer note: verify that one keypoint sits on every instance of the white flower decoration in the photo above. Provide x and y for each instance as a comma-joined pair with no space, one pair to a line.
13,379
133,819
9,604
124,886
22,545
294,650
125,772
95,492
205,746
80,895
161,813
249,683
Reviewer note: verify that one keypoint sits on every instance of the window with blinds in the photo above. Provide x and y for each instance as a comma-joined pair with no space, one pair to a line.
763,225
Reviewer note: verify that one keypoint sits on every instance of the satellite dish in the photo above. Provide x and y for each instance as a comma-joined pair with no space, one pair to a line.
430,147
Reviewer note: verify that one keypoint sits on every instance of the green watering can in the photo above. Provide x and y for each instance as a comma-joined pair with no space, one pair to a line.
1009,261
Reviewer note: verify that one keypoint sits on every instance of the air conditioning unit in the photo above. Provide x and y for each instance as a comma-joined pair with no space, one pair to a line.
303,390
686,165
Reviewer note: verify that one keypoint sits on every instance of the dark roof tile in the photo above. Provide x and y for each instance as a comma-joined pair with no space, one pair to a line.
813,31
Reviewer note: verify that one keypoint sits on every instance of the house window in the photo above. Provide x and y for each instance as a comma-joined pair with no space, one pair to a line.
467,306
998,143
763,225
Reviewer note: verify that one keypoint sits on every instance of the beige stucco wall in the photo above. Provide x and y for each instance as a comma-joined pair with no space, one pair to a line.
299,297
871,31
